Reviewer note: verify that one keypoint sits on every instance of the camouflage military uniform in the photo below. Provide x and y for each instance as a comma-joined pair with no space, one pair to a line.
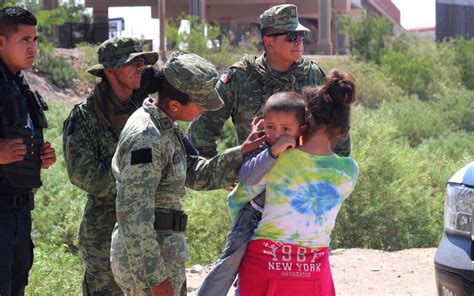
152,166
250,82
90,137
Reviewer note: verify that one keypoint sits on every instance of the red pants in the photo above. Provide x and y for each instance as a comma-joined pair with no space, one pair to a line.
272,268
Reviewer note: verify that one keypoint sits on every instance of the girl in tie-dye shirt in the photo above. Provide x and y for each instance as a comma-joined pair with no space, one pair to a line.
304,192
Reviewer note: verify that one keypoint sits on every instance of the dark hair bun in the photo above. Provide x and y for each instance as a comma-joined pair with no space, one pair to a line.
340,88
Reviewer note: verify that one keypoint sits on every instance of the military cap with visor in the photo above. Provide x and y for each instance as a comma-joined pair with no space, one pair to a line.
281,18
194,76
118,51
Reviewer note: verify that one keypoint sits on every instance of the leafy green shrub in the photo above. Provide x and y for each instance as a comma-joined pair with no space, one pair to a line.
90,59
366,36
419,66
416,120
58,68
464,52
391,207
457,109
373,85
414,73
208,223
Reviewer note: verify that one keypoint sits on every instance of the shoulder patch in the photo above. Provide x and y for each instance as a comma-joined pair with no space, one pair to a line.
165,123
141,156
226,76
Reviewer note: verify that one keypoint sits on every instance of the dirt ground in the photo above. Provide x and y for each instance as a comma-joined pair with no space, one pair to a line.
371,272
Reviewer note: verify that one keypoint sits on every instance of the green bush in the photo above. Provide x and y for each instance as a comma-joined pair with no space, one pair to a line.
416,120
419,66
395,204
58,68
373,85
457,109
90,59
366,36
414,73
464,56
208,224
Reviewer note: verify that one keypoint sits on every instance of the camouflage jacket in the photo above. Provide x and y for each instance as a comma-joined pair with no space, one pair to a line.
152,167
244,88
91,133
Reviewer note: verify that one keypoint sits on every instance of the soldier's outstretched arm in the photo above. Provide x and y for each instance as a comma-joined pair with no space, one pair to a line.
205,130
137,165
84,168
222,170
218,172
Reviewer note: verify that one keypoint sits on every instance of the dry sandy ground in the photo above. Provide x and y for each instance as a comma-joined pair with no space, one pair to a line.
372,272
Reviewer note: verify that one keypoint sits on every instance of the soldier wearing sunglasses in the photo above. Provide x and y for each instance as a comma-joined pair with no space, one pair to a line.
90,137
246,85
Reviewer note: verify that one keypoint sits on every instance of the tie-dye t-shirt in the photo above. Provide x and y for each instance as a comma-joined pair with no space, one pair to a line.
304,193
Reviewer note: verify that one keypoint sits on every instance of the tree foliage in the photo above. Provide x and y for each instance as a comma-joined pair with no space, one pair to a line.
367,36
464,49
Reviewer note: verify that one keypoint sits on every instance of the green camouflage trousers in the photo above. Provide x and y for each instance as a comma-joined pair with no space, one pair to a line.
95,234
174,253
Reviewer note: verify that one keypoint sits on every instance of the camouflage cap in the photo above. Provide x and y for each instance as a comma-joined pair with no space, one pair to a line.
194,76
281,17
116,52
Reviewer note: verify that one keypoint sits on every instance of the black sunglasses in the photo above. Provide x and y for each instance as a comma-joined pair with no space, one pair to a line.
293,36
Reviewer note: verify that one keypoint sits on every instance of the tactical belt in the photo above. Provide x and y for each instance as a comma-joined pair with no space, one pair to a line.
17,200
171,221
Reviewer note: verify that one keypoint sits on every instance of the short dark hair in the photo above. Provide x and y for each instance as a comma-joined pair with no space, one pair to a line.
12,17
290,102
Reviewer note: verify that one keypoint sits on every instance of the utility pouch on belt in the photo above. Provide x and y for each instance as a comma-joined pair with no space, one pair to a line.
171,221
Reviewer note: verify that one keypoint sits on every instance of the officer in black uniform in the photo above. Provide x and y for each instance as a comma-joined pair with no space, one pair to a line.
23,151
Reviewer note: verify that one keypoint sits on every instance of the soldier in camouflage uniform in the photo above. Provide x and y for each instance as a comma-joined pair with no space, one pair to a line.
90,136
250,82
153,162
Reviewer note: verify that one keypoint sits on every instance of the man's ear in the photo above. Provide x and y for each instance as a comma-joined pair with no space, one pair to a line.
267,42
109,73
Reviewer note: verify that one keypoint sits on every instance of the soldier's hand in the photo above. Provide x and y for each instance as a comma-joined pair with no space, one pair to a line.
162,289
12,150
283,143
257,124
255,138
48,155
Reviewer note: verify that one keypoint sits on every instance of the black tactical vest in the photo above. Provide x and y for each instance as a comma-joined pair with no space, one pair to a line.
16,102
